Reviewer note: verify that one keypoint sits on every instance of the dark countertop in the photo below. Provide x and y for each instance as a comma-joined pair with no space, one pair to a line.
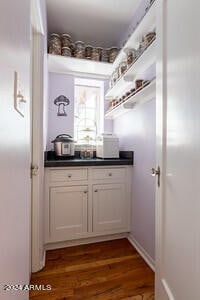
51,160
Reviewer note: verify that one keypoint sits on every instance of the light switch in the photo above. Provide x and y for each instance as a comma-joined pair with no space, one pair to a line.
19,98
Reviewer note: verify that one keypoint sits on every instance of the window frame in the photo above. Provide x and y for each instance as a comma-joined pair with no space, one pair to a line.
87,82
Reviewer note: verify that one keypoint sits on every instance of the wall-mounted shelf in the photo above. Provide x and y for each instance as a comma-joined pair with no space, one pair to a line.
147,24
138,67
145,94
79,67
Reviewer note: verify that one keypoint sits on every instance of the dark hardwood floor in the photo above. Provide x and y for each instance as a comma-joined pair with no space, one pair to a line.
110,270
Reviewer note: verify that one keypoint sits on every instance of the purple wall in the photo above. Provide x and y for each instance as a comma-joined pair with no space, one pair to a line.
136,131
61,84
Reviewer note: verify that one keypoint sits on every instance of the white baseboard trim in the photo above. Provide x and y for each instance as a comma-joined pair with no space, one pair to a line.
83,241
142,252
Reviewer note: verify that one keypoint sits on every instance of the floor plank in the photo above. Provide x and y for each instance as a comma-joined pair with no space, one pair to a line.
111,270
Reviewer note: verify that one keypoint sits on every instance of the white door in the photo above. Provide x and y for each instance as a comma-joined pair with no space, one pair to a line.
178,151
68,212
110,207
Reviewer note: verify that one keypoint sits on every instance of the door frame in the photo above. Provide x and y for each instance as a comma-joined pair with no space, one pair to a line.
161,120
37,37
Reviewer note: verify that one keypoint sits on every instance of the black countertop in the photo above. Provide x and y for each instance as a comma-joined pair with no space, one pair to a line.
51,160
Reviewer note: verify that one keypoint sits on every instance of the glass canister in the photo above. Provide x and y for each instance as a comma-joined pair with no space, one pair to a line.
79,49
131,55
66,51
87,151
72,49
100,52
138,83
55,44
95,54
115,75
88,51
66,40
122,67
113,54
104,55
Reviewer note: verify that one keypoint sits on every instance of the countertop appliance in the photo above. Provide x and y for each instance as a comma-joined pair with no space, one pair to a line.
64,145
107,146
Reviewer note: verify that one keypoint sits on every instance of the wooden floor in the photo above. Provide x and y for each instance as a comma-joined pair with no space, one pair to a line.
110,270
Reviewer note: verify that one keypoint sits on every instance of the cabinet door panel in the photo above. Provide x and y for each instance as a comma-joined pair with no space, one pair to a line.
109,207
68,212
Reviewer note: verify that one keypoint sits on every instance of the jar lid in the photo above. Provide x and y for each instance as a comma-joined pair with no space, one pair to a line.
55,34
66,48
79,42
66,35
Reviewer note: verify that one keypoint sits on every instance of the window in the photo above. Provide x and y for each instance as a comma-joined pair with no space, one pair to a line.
88,110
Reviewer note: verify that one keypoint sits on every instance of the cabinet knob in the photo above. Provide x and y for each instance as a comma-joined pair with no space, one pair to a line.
110,174
95,191
69,175
85,192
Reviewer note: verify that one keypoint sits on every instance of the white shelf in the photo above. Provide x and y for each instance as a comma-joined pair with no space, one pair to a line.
147,24
137,68
79,67
144,95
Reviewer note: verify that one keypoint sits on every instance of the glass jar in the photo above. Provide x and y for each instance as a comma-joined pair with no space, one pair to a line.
87,151
122,67
104,55
79,49
66,51
113,54
95,54
55,44
131,55
138,83
66,40
88,51
115,75
100,52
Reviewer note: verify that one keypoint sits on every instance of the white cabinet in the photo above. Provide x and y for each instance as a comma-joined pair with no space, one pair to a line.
86,202
68,211
110,207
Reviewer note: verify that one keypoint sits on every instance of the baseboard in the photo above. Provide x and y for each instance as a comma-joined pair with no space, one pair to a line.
90,240
149,260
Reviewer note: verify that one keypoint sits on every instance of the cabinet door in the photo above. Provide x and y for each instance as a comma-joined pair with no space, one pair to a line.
110,208
68,212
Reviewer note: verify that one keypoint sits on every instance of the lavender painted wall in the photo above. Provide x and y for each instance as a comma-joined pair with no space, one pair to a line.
136,131
61,84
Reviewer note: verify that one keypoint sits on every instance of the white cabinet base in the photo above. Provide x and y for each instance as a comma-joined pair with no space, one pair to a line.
86,202
94,238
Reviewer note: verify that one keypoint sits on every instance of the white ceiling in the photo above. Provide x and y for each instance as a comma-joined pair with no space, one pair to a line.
97,22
